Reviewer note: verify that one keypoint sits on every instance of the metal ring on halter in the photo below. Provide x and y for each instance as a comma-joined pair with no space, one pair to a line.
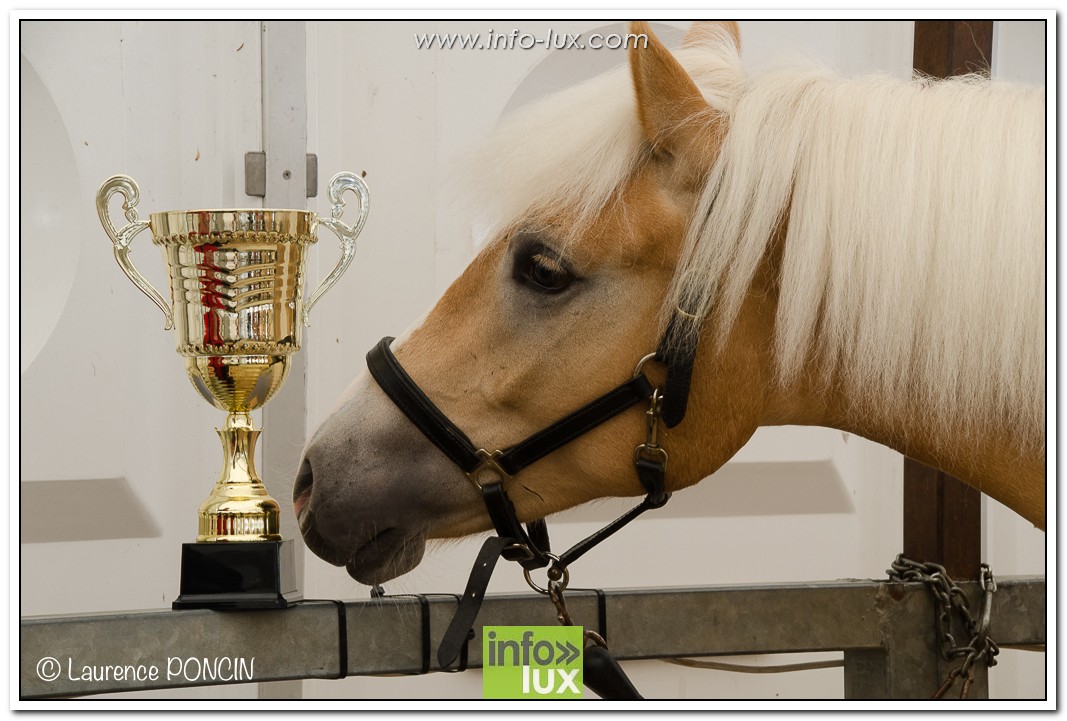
641,364
564,579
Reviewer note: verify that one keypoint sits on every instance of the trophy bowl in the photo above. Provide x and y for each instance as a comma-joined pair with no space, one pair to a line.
237,307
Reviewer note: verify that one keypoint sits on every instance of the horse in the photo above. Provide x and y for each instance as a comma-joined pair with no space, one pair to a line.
864,254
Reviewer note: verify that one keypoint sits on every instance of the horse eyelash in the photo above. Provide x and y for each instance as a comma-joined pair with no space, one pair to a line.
534,252
554,263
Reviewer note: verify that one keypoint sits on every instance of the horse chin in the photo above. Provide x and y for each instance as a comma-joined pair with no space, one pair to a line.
389,554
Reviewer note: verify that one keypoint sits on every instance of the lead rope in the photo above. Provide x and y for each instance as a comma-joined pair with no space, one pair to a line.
950,598
602,672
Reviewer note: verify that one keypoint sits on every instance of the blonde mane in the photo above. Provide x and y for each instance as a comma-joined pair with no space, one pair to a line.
913,262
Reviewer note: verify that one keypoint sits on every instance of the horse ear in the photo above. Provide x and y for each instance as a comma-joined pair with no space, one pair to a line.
670,107
704,33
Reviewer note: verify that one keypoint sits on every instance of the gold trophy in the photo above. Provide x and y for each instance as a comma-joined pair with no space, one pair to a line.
237,306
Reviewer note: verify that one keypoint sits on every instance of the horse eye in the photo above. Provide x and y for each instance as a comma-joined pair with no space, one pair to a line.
544,273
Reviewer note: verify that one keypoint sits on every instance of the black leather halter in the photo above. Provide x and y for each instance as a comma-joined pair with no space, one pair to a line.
491,471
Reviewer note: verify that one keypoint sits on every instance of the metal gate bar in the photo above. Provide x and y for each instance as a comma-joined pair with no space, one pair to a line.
885,629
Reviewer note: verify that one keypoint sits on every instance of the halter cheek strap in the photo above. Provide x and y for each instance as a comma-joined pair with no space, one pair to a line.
679,359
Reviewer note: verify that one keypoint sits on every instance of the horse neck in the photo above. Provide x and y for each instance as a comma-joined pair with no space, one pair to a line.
996,463
744,376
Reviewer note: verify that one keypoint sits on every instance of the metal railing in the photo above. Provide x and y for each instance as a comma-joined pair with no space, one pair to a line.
887,632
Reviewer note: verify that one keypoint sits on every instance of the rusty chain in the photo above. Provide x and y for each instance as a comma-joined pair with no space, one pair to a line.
951,602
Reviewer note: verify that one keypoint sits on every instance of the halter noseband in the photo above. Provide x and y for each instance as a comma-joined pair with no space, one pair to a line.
490,471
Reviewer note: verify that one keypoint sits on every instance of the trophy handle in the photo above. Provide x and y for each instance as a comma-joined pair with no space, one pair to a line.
346,233
120,239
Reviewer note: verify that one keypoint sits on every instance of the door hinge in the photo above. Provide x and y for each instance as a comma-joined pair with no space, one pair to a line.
256,174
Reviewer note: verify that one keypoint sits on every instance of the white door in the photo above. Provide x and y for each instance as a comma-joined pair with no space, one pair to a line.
116,448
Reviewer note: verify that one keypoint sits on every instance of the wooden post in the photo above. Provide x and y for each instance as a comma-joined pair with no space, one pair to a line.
953,47
942,515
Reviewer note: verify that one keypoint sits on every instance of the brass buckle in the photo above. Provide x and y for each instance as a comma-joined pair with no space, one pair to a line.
651,449
491,464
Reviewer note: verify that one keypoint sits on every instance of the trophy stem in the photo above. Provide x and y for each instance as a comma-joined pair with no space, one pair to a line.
239,507
239,560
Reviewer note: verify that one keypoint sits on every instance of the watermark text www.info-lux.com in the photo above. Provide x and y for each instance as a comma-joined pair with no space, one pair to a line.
516,39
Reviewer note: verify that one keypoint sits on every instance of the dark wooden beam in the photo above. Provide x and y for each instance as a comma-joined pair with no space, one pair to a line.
942,520
952,47
942,515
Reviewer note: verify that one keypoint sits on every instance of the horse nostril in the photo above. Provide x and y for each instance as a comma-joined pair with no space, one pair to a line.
302,487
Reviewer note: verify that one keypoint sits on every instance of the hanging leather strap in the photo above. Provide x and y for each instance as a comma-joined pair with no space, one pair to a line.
455,637
493,548
527,547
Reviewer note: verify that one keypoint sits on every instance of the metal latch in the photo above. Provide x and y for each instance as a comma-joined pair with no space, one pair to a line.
256,174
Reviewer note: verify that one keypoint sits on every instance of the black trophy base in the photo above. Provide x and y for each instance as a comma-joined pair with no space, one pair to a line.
238,576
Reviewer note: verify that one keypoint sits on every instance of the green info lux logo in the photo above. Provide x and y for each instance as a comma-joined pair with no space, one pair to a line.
532,662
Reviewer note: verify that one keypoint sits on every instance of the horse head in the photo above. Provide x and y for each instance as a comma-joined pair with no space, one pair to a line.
557,308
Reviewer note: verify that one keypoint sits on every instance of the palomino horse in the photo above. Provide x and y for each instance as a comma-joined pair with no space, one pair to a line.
861,254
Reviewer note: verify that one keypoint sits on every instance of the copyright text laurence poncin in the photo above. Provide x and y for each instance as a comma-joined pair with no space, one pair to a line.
220,669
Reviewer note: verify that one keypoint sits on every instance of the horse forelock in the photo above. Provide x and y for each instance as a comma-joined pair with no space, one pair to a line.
572,152
912,267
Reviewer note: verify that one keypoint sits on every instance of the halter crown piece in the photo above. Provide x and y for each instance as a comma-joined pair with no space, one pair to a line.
491,471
